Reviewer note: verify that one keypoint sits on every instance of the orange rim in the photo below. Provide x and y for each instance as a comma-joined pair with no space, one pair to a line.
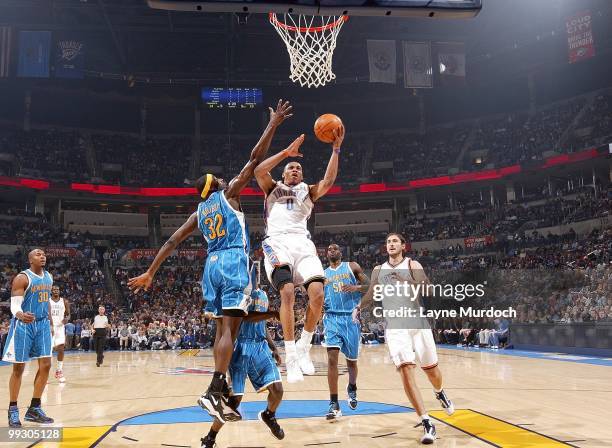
306,29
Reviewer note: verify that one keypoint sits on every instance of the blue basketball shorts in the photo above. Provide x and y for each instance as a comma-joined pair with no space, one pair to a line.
341,332
25,342
226,283
253,360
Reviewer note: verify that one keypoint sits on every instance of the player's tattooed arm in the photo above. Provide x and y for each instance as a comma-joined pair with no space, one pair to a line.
364,281
282,112
322,187
144,281
262,172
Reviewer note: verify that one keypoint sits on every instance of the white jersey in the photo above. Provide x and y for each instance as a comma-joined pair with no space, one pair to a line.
58,309
288,209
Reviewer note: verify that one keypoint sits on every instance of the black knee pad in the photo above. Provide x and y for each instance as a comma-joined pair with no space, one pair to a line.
281,276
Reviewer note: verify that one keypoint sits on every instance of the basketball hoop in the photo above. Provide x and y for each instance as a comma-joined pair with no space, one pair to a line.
311,42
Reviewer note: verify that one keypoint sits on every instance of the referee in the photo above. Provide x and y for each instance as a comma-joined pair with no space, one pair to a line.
100,325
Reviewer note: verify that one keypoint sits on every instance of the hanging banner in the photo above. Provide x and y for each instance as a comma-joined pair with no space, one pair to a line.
69,58
5,51
34,54
418,71
382,61
580,43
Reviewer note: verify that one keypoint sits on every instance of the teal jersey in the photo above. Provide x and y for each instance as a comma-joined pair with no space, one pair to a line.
337,301
37,294
223,227
255,331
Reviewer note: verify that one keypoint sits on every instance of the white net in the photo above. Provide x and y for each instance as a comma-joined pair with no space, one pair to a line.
310,41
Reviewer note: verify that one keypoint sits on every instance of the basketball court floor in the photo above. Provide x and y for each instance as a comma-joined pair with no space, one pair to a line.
503,399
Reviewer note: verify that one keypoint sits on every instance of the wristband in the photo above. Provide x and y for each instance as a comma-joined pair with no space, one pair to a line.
337,150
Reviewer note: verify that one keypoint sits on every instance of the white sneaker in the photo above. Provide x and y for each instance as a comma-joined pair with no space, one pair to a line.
294,373
429,432
306,365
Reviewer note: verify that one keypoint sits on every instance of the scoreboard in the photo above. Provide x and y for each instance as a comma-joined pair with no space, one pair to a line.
232,97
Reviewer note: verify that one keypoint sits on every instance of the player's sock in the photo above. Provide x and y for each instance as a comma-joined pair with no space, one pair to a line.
12,403
290,349
352,387
60,365
212,434
437,390
333,397
306,338
217,383
35,402
424,416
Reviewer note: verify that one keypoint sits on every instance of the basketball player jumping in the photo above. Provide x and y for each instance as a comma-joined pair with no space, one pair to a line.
60,315
409,344
226,278
256,357
344,284
30,335
290,256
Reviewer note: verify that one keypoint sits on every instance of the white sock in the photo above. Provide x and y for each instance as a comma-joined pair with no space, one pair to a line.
60,365
306,337
424,416
290,350
437,391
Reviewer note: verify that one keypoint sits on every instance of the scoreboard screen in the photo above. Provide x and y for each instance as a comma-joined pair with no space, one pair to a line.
232,97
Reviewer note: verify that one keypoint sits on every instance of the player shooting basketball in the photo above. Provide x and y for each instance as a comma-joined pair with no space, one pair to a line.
290,256
226,279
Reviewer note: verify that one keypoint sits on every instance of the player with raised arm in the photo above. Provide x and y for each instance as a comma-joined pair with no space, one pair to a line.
30,335
226,279
60,315
345,282
409,340
290,256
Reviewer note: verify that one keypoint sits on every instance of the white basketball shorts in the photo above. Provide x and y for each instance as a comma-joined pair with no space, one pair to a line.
409,346
296,251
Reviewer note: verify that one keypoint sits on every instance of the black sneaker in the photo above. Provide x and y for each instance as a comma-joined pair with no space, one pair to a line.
352,398
13,417
445,402
208,442
213,404
334,412
429,432
37,415
270,421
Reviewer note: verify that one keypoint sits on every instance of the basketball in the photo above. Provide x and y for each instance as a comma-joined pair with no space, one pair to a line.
325,125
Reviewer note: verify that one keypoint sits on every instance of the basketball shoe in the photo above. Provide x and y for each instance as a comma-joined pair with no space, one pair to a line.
334,412
303,351
37,415
208,442
429,432
59,375
352,397
269,418
445,402
13,417
294,372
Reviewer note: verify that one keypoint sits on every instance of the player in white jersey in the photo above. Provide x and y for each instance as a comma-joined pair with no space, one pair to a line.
290,256
408,340
60,315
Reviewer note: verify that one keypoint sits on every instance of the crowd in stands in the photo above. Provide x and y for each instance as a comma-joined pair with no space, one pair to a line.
167,161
